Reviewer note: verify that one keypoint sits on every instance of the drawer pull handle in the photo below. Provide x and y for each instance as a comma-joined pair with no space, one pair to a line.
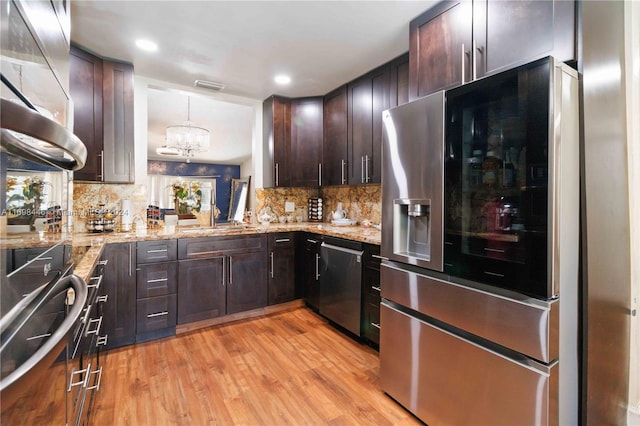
448,243
158,280
312,241
158,314
96,381
271,256
201,253
96,285
494,274
39,336
283,240
42,258
494,250
376,288
376,325
103,262
375,256
102,298
102,340
82,381
158,251
96,330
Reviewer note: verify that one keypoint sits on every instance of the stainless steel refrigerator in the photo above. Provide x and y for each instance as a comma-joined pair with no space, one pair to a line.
480,186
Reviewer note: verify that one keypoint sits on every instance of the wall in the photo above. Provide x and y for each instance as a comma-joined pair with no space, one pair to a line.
360,201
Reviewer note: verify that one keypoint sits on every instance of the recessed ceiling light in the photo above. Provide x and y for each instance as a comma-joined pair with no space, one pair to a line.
282,79
147,45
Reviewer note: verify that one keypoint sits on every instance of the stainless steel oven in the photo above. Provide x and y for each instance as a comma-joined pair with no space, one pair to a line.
41,300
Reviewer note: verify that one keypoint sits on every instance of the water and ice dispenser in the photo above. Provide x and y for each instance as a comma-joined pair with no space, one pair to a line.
412,228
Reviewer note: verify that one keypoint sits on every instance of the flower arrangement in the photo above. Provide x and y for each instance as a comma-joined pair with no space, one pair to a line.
187,197
27,205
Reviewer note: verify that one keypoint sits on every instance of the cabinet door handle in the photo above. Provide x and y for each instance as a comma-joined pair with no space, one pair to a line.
342,164
130,259
376,325
494,274
366,169
376,288
312,241
39,336
102,340
271,256
130,166
283,240
224,270
474,73
277,175
158,251
102,298
362,169
158,314
375,256
96,382
230,270
101,175
317,266
462,61
103,262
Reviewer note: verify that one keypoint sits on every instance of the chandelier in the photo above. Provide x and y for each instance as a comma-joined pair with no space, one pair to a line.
187,139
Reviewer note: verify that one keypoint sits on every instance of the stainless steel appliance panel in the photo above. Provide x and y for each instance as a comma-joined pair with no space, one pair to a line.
341,286
528,326
412,179
445,379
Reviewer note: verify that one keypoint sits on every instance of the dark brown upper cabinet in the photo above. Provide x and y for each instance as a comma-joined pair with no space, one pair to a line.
306,141
293,130
399,81
102,94
276,126
455,42
334,148
368,96
86,91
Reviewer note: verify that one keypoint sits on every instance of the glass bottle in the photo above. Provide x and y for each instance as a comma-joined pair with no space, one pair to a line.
491,169
508,172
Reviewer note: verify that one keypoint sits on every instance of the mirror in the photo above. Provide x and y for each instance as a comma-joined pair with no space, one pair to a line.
239,198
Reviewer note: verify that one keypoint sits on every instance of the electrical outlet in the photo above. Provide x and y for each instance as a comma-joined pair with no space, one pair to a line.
289,206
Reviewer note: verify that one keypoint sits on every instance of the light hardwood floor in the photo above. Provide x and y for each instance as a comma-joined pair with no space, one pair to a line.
286,368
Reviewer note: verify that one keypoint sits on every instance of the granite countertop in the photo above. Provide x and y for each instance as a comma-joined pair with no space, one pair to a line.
96,242
356,233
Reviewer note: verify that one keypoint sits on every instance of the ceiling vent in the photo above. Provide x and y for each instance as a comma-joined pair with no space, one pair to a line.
211,85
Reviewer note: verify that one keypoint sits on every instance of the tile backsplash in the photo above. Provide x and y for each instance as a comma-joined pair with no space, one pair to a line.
360,201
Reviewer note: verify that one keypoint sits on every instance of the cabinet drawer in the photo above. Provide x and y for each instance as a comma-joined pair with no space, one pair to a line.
372,282
157,251
156,313
156,279
201,248
281,239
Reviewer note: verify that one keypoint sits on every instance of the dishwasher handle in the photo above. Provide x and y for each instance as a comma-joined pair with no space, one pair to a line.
342,249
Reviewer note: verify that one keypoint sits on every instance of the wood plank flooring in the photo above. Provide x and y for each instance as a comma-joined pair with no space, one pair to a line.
285,368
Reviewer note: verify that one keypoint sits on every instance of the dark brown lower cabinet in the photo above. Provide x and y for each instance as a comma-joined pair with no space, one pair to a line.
282,265
220,276
310,269
201,289
370,325
119,281
156,303
246,287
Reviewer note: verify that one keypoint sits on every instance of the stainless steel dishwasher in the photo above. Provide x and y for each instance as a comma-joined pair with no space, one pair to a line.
340,282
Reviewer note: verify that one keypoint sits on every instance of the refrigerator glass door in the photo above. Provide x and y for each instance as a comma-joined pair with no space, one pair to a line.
496,168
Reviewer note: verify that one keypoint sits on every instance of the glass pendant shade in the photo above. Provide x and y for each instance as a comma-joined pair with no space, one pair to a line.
187,137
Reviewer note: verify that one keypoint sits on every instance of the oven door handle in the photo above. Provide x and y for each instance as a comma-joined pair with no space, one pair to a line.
29,372
25,121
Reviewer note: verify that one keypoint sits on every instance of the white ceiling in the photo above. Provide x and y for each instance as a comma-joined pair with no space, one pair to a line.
243,45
